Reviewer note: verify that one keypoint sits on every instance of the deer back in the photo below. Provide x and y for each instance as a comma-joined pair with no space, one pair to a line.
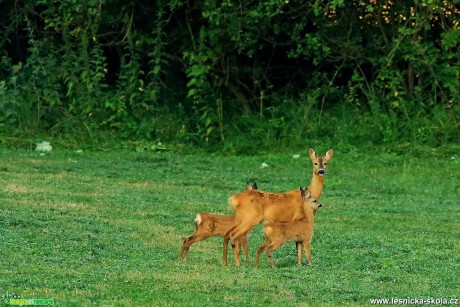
215,224
273,207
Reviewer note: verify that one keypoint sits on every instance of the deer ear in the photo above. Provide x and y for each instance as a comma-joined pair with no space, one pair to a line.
248,186
311,153
254,186
329,154
302,191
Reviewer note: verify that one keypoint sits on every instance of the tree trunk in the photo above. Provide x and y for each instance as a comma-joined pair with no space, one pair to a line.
240,96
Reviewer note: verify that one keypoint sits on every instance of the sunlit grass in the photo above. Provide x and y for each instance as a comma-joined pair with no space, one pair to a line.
105,228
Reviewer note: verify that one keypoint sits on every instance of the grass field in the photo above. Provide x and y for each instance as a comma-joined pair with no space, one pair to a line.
105,229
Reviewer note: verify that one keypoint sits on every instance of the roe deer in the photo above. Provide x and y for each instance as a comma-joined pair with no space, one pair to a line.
253,207
301,231
208,225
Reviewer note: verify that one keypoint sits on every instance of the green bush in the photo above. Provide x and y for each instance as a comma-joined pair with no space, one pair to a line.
247,77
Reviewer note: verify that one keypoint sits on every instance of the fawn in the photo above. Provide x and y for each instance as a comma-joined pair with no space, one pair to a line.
301,231
208,225
253,207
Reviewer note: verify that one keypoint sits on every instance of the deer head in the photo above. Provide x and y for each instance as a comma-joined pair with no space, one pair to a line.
320,163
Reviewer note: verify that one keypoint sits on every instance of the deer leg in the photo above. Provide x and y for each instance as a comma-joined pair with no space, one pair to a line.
306,246
260,251
236,252
230,235
185,248
225,250
186,245
235,233
183,253
182,249
299,252
270,249
244,244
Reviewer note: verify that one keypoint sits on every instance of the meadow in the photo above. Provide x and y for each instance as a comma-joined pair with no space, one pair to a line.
105,228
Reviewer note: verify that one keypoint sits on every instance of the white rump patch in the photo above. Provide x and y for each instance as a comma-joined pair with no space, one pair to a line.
198,219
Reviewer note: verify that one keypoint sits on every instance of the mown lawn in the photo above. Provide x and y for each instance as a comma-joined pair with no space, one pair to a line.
105,229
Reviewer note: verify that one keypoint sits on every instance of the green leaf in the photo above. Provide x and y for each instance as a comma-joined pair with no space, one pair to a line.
191,92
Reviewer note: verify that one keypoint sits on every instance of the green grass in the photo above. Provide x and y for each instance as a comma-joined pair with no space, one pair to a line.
105,229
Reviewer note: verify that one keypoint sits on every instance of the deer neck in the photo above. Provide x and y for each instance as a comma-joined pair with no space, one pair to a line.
309,215
316,186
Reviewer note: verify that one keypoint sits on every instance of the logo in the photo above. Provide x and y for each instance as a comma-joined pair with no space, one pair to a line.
14,299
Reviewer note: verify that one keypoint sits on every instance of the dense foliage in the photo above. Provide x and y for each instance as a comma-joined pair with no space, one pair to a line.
229,72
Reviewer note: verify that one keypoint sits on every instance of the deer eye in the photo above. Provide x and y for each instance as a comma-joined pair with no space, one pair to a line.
316,163
325,163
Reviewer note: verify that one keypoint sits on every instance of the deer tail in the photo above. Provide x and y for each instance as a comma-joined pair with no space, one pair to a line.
198,219
233,202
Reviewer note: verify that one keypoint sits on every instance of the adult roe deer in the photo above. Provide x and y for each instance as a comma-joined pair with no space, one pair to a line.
301,231
253,207
209,225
